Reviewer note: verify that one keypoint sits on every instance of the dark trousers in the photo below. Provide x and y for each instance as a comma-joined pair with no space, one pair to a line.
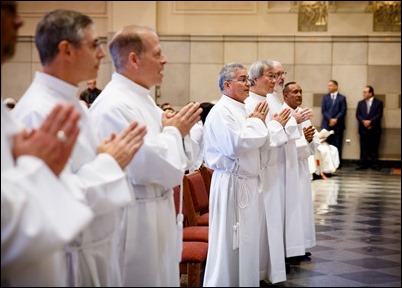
336,139
369,146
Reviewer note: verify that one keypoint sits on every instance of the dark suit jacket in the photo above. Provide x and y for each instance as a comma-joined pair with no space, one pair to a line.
375,115
338,111
89,96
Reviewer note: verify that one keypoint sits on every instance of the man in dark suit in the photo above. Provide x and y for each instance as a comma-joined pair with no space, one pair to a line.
91,93
369,113
333,109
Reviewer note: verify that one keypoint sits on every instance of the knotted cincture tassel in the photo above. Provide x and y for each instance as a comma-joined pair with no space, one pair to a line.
179,225
74,277
179,230
236,236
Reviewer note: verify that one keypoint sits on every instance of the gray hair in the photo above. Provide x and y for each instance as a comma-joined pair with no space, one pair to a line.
277,63
57,26
124,42
257,69
228,71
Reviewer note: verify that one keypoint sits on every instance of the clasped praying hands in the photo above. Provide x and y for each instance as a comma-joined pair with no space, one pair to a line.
303,115
124,146
184,119
46,142
260,111
283,116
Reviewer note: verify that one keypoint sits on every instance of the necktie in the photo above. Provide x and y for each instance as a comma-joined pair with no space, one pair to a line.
368,106
333,102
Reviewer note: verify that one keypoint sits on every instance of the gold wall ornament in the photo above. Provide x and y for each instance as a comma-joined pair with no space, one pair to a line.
312,16
387,16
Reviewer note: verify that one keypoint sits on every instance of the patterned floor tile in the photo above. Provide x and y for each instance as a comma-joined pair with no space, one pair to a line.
374,251
372,263
370,277
358,229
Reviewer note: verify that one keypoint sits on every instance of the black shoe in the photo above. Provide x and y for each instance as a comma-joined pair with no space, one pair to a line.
376,167
293,261
264,284
316,177
268,284
308,254
361,167
304,258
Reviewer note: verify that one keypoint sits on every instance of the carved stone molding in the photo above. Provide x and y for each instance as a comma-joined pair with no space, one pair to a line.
215,7
38,8
284,38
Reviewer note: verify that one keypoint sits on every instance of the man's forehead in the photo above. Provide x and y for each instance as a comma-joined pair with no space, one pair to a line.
89,32
241,72
269,69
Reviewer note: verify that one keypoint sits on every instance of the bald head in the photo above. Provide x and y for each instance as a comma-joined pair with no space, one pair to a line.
128,39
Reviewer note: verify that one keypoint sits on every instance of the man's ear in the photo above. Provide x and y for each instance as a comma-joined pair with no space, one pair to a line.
133,59
226,85
65,47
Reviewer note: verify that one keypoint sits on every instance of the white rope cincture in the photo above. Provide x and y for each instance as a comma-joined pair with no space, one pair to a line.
240,202
179,225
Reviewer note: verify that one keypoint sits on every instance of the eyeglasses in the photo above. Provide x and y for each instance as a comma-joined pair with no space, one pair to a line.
271,76
241,79
94,45
279,74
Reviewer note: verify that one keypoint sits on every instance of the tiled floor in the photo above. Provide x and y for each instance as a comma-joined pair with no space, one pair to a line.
358,228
